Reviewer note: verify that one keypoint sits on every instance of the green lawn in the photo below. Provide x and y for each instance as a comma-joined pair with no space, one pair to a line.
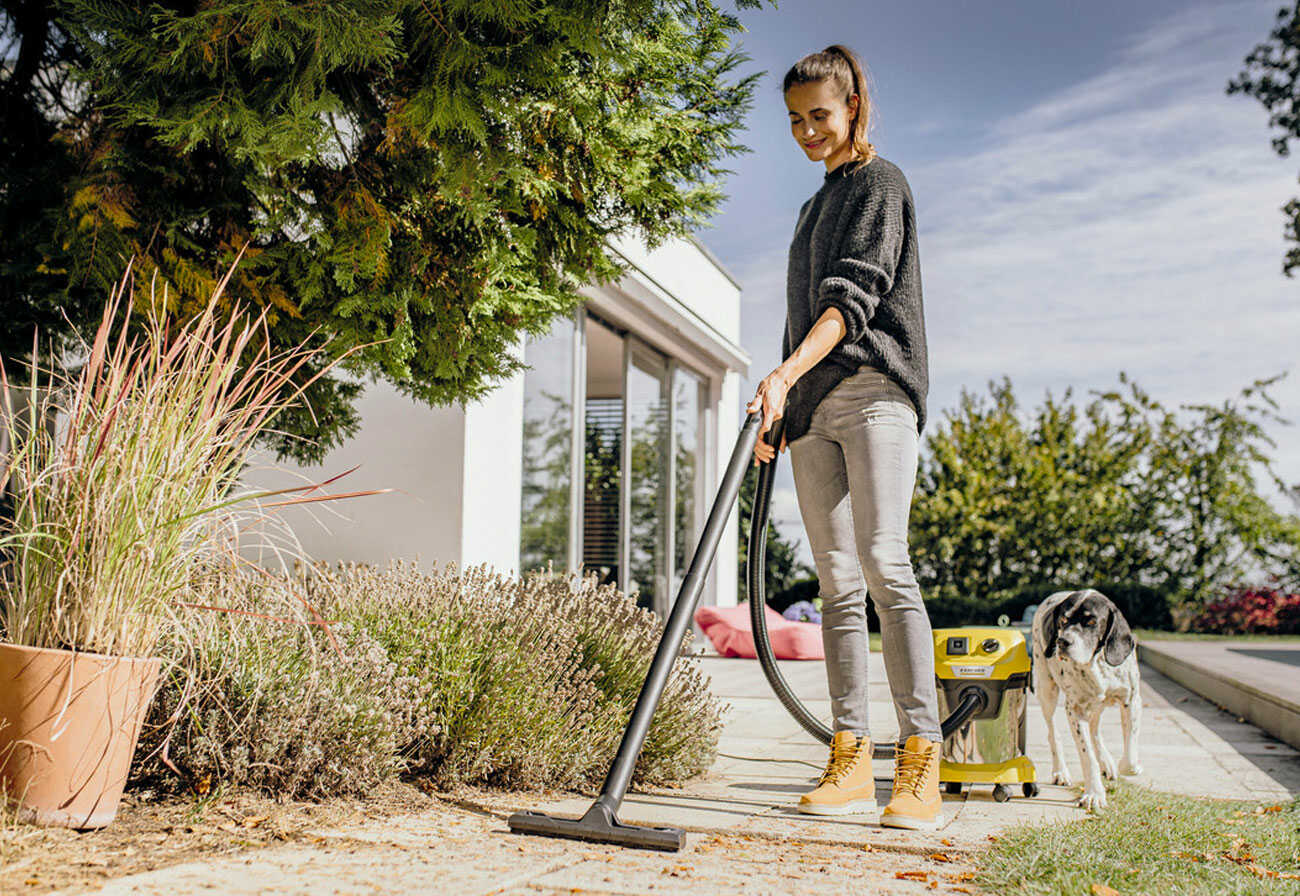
1148,841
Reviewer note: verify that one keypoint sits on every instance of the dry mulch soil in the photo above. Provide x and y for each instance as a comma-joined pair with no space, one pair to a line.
153,831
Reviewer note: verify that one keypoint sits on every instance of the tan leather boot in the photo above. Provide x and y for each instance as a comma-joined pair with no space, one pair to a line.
916,803
846,787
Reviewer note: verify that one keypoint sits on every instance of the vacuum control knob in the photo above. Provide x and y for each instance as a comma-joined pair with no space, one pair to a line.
991,645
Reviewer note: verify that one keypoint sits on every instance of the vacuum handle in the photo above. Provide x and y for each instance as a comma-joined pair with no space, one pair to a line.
620,773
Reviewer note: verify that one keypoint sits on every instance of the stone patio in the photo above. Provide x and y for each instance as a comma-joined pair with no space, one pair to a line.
746,836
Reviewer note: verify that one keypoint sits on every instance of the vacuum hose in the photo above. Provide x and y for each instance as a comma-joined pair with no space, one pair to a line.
971,701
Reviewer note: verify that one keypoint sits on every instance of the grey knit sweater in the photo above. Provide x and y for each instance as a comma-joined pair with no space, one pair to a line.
854,248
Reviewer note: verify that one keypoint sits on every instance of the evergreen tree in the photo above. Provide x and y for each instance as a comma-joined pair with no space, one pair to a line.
427,182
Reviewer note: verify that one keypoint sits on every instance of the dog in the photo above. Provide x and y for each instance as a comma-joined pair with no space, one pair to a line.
1083,649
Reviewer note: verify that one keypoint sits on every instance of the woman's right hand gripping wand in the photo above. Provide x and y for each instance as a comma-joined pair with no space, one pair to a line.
770,398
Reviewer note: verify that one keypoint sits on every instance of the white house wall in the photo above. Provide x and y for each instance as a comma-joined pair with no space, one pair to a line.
403,445
492,477
685,270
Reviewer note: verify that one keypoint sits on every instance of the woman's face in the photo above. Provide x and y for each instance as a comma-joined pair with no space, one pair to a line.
820,121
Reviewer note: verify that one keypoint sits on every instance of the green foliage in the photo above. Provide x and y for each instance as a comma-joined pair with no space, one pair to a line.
268,701
429,183
1126,492
467,678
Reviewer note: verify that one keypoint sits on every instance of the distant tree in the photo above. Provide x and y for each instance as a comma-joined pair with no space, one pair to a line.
1272,76
545,510
1213,527
782,567
427,180
1136,495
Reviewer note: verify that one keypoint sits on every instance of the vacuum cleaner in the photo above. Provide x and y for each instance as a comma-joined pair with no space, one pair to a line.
600,824
990,747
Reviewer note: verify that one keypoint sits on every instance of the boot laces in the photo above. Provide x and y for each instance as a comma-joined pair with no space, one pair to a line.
910,769
843,759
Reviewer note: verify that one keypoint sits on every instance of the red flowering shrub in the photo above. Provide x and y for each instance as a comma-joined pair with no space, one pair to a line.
1251,609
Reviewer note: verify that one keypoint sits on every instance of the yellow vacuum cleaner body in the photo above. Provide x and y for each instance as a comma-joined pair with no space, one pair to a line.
989,747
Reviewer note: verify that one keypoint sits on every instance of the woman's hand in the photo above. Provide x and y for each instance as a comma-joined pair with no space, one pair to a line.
770,397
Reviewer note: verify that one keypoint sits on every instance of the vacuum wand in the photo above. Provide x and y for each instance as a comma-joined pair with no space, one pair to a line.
601,823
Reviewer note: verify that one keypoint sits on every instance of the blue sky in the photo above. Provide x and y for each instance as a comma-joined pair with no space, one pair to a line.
1089,199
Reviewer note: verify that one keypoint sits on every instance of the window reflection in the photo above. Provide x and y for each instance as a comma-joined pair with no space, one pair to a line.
548,430
687,448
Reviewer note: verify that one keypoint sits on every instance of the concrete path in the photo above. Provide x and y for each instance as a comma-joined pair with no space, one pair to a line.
1259,682
747,837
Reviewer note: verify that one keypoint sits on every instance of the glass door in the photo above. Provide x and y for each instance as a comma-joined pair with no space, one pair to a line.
646,521
687,470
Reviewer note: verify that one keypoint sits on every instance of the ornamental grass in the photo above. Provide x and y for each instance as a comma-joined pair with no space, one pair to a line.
119,474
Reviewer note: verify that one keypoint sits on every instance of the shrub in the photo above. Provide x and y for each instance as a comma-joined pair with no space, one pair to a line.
277,703
470,678
534,680
1251,609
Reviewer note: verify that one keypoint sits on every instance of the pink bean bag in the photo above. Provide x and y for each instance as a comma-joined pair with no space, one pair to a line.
732,635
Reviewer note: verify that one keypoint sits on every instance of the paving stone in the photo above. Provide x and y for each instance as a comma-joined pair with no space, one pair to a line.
746,836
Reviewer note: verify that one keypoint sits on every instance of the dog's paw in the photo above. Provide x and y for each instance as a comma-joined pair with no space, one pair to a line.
1061,776
1130,768
1092,800
1107,763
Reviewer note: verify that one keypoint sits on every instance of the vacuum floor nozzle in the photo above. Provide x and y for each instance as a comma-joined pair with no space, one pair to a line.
599,825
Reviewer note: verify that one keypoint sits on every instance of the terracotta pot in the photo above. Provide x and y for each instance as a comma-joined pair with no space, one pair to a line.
69,723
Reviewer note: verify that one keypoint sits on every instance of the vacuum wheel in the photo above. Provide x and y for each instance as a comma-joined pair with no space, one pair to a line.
953,787
1000,793
1030,789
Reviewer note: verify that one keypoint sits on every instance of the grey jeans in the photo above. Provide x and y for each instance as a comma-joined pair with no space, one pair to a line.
854,473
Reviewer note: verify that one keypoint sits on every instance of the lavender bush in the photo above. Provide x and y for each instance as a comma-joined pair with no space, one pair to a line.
466,678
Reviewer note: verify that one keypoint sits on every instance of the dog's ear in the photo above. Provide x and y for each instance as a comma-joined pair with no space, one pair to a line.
1051,623
1117,638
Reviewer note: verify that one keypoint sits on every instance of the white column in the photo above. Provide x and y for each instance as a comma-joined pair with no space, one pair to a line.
493,476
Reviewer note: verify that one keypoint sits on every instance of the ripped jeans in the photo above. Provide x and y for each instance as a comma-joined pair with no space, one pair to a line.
854,473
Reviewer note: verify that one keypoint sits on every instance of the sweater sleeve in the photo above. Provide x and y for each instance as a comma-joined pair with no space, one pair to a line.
863,270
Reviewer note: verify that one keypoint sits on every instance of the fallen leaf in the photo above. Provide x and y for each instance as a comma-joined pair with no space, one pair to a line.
204,785
912,875
1103,890
252,821
957,889
941,857
946,841
960,876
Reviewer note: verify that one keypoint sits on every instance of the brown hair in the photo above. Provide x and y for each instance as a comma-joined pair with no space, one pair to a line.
841,66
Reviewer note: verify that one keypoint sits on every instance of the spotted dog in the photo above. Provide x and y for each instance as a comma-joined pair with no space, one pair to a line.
1084,651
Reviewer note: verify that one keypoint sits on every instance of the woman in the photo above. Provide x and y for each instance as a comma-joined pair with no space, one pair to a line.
852,394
